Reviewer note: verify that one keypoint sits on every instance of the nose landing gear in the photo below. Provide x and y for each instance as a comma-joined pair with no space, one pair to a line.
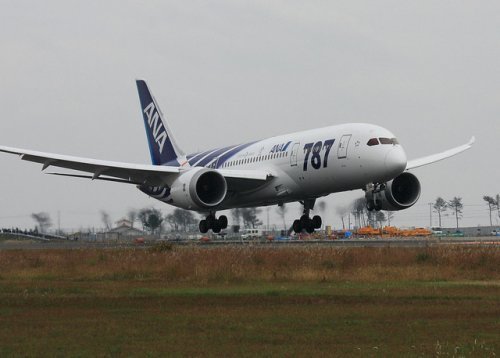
212,223
374,196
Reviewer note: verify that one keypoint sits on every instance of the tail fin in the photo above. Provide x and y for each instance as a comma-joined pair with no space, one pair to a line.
162,145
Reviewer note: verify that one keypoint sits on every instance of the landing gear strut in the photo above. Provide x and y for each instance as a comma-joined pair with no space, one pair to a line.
305,222
212,223
373,196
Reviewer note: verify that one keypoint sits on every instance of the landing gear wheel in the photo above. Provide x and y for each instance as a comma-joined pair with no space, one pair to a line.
378,205
211,221
297,226
370,205
304,220
203,226
216,228
223,221
316,221
310,227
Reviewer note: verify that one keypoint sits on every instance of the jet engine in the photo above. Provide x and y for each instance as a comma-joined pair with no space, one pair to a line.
198,188
400,193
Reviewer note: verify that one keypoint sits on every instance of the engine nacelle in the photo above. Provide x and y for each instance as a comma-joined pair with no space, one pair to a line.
198,188
400,193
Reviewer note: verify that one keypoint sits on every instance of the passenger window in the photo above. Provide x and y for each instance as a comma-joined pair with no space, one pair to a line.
372,142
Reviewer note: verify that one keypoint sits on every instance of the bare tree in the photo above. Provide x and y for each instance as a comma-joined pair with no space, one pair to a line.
390,216
250,217
359,210
492,203
236,215
497,200
132,216
440,206
342,211
380,218
106,220
457,206
371,216
151,219
43,221
181,220
281,210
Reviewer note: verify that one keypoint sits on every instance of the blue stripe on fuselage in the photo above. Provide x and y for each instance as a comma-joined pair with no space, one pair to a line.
232,152
213,155
209,155
286,146
197,157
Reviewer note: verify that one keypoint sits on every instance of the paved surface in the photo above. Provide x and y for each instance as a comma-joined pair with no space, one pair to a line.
390,242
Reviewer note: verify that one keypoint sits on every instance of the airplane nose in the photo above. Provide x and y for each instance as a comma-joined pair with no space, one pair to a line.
395,160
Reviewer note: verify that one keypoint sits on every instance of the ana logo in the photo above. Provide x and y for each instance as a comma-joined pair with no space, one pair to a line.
280,147
154,122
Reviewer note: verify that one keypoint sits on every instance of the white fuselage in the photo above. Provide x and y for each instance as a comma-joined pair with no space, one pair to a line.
308,164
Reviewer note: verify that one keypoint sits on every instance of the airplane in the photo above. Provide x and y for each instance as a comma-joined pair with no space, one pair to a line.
301,166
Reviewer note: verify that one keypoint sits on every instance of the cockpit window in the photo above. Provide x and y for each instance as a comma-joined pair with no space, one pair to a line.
388,141
373,141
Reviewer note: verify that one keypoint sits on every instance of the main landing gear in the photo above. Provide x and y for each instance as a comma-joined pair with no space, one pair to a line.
212,223
305,222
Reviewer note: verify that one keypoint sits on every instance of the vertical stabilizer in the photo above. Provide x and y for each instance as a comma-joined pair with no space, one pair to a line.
162,145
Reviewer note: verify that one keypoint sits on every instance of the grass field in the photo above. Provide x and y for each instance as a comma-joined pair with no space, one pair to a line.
243,301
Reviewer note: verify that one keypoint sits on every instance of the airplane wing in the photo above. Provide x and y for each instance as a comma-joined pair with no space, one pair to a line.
415,163
154,175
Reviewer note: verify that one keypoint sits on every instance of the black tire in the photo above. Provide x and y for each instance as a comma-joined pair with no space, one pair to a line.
378,205
316,221
297,226
210,221
203,226
310,227
216,228
370,205
223,221
304,220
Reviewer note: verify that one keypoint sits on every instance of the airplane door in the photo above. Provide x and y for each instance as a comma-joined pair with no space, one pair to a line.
293,154
343,144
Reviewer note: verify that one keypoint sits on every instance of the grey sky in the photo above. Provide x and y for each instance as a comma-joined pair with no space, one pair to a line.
231,71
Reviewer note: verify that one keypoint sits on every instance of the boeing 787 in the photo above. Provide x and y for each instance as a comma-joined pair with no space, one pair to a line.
301,166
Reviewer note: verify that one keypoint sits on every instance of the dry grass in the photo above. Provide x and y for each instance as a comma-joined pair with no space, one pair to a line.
244,264
314,301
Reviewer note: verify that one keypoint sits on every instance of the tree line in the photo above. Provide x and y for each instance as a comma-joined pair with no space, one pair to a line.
154,221
456,206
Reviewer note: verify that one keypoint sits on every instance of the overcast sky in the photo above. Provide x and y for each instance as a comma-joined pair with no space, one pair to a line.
231,71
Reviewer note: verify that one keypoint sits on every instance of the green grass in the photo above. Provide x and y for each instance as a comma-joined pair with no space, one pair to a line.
66,304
